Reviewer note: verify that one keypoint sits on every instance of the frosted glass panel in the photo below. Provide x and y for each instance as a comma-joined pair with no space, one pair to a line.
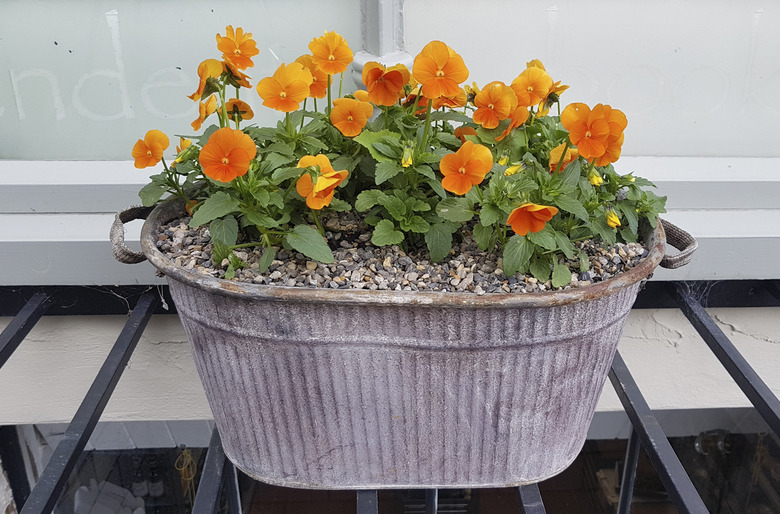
695,78
84,80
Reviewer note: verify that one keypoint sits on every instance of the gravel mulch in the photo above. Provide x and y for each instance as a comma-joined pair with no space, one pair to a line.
360,265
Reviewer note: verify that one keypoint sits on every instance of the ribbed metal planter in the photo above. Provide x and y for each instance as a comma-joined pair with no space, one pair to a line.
370,389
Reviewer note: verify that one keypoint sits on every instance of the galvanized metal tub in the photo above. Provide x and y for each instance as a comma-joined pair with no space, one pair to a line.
345,389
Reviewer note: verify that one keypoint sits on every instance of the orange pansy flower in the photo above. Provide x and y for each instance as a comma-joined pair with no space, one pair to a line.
350,115
440,70
556,154
465,168
494,103
453,102
362,95
237,47
210,68
319,85
532,86
330,53
320,193
239,109
236,76
530,217
184,143
227,154
149,150
588,130
464,131
385,85
516,118
205,109
613,150
287,88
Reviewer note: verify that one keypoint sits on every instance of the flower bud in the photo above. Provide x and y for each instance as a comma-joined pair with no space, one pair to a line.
595,178
612,218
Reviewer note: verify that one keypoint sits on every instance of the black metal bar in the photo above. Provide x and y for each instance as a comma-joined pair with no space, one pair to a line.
759,394
431,501
13,462
629,474
530,499
212,478
231,488
46,492
368,502
21,325
665,461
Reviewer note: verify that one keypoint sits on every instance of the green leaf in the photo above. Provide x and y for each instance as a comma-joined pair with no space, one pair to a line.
564,245
387,150
425,171
560,275
150,193
272,162
279,147
455,209
517,253
600,227
490,214
265,261
282,174
312,143
367,199
367,138
394,205
569,204
540,269
310,243
482,235
339,205
584,262
263,197
437,187
417,205
544,238
448,139
224,230
217,205
449,115
629,212
570,175
386,170
219,252
439,241
415,224
385,234
203,139
261,220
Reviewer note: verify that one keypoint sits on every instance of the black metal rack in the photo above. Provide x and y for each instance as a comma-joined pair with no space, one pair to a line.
219,476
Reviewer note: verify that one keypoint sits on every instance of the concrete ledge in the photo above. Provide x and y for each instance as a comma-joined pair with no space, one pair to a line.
55,217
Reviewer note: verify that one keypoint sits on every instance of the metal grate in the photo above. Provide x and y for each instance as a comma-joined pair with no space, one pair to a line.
219,482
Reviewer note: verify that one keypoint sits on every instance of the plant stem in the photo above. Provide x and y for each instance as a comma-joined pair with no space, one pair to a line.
302,117
424,140
330,81
563,156
289,124
316,215
341,83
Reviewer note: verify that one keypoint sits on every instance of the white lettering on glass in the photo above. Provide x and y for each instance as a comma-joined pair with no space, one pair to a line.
59,107
112,19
